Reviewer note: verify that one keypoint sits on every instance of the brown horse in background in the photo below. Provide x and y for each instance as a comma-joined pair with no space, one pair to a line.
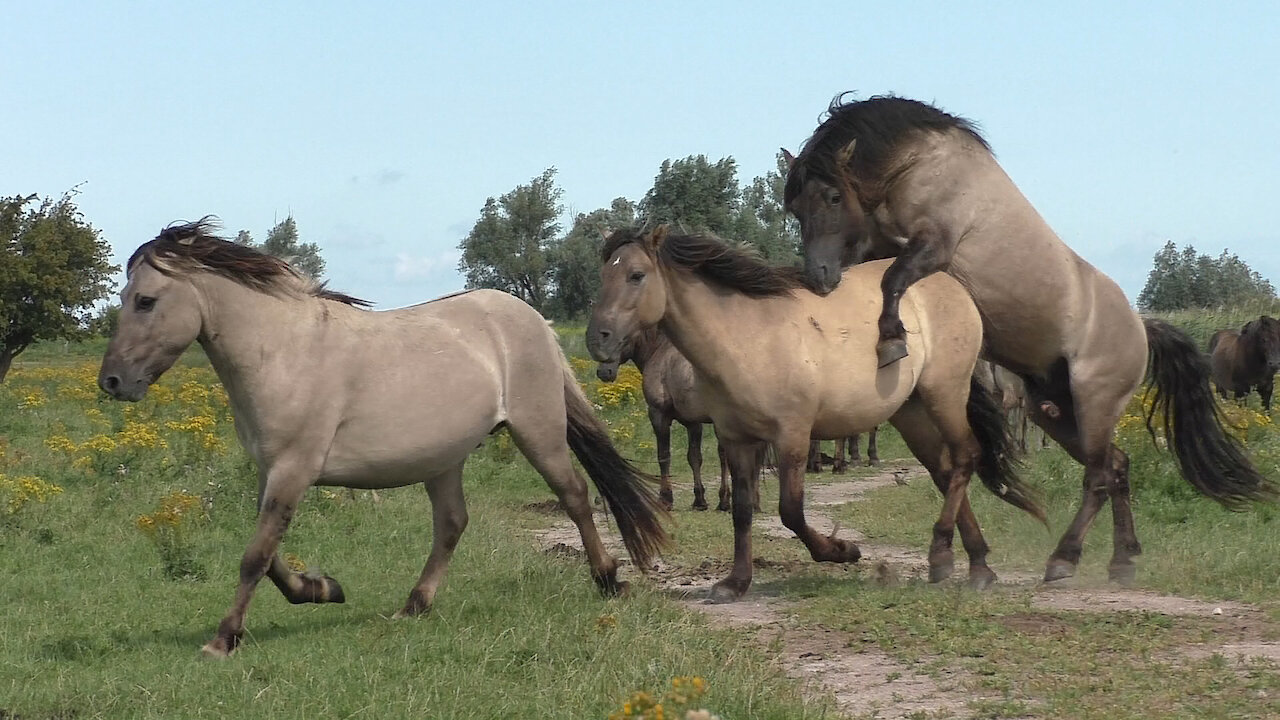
778,365
672,395
892,177
1246,359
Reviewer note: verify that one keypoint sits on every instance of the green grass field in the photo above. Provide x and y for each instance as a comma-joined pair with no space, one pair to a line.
108,595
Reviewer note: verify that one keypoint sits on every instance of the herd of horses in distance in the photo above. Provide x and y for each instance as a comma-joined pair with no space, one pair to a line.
933,297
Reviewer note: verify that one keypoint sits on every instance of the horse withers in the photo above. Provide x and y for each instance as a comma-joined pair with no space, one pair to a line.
778,365
327,393
893,177
1247,359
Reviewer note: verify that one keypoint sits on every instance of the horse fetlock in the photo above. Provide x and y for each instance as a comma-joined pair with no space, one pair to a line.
836,550
417,604
1122,573
941,566
225,641
699,499
667,498
610,585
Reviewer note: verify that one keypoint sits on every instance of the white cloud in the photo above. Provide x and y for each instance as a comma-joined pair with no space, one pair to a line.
411,268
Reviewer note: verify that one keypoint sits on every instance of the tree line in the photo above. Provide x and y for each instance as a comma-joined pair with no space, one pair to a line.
55,270
517,245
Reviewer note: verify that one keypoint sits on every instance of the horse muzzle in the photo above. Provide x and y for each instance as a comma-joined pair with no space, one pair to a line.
120,386
607,371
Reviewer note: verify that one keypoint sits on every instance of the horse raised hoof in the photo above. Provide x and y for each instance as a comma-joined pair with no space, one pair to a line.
841,551
728,590
318,589
981,578
1123,574
1058,570
890,351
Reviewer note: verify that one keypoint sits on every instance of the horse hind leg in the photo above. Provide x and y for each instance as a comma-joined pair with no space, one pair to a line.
661,423
839,464
694,456
873,450
449,520
543,443
822,548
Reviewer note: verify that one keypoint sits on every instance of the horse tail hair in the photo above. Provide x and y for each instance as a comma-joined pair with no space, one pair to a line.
1180,396
626,490
1000,461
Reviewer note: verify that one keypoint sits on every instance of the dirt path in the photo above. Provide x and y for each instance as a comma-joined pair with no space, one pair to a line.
867,682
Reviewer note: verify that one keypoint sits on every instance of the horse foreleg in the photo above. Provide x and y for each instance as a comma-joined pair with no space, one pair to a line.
814,461
694,456
282,490
873,450
839,464
956,496
661,423
726,493
448,521
929,251
299,588
821,547
1265,389
744,460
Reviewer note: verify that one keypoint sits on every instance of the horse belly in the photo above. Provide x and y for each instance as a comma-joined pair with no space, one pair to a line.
371,458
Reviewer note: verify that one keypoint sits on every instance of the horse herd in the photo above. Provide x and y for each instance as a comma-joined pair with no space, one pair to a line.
920,258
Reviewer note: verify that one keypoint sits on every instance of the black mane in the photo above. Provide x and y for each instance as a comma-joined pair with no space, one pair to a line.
197,246
881,125
714,259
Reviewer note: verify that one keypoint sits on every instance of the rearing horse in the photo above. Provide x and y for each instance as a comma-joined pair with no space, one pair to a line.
892,177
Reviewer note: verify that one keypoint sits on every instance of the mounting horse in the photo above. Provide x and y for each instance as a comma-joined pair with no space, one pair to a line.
327,393
891,177
671,395
1247,359
777,364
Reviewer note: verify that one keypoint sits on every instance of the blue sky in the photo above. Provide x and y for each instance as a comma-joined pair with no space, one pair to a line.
383,128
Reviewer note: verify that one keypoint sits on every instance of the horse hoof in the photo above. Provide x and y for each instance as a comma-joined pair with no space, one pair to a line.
844,551
838,468
667,499
220,648
890,351
700,505
873,462
938,573
1123,575
726,591
981,578
1058,570
724,506
333,591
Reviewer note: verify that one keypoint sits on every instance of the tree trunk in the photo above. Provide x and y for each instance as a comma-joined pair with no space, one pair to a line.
6,360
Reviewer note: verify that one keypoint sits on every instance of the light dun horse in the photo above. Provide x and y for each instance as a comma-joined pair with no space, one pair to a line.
326,393
777,364
1246,359
671,396
894,177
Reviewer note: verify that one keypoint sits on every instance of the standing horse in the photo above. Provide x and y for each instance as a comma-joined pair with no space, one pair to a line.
838,462
327,393
671,395
777,364
895,177
1247,359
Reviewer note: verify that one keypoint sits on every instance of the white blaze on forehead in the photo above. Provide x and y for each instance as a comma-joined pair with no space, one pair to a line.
617,260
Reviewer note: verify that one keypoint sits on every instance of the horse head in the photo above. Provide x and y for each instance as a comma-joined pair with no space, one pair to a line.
159,318
1263,335
821,196
632,296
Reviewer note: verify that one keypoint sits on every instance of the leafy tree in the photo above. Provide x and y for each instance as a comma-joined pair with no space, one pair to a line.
761,220
282,242
244,238
53,267
1186,279
693,194
507,249
575,259
106,321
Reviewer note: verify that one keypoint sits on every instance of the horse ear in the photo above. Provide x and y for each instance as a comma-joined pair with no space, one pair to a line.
845,156
791,159
657,236
186,239
605,233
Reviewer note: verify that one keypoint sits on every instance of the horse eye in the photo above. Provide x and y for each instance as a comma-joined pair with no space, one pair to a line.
144,303
636,277
835,199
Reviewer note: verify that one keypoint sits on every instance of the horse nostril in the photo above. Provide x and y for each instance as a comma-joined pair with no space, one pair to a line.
604,334
111,383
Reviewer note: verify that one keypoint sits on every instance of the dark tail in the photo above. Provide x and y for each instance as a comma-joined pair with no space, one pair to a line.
999,464
626,490
1178,386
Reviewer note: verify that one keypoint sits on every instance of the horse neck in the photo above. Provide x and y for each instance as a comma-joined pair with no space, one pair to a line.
243,331
647,344
698,320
